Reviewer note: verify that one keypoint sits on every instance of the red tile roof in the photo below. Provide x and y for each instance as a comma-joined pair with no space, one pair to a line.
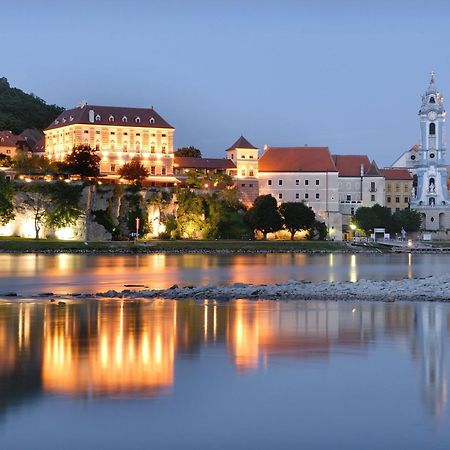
110,115
396,174
8,139
296,159
186,162
350,165
242,143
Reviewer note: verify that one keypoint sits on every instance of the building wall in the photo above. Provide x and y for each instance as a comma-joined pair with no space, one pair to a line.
319,190
398,193
8,150
246,162
116,145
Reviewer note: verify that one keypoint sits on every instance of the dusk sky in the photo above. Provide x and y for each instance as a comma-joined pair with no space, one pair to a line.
343,74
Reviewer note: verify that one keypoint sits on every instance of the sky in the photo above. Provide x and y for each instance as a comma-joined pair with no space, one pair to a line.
345,74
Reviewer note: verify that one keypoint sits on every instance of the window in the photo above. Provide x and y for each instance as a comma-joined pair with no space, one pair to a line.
297,195
243,185
112,145
352,211
372,198
406,199
137,120
349,198
372,186
111,118
152,148
124,119
306,182
86,131
306,196
388,199
242,156
125,133
163,171
432,100
432,129
280,182
317,196
397,188
98,118
163,135
97,132
138,146
397,199
250,185
251,156
113,167
112,133
280,196
269,182
8,152
152,170
243,172
232,156
251,173
138,134
163,149
317,182
297,182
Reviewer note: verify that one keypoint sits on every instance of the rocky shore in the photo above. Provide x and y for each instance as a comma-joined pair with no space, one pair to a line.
423,289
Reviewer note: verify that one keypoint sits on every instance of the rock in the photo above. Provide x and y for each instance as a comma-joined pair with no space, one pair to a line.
61,303
174,286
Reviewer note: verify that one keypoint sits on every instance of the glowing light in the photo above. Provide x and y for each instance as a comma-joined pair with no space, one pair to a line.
352,226
65,234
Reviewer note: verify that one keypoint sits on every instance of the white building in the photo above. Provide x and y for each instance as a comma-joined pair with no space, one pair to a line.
303,174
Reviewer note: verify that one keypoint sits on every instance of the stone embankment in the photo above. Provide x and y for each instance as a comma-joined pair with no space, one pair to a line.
423,289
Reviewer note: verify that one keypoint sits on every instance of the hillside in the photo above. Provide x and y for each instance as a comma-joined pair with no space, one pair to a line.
19,110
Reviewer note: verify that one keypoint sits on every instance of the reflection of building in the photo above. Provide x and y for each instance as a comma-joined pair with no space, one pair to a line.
431,335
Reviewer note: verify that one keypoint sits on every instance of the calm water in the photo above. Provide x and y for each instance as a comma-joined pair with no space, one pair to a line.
238,375
242,375
68,273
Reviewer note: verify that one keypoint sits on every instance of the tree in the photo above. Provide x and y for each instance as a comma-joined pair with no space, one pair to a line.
65,204
190,214
6,196
5,160
191,152
84,161
134,171
264,216
377,216
36,198
297,216
408,219
319,230
23,163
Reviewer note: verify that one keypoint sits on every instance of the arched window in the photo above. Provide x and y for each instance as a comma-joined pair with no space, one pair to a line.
137,120
98,118
152,120
111,118
124,119
432,129
432,100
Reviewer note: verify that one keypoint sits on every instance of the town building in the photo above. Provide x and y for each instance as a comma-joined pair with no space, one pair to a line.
360,184
430,195
303,174
399,185
118,134
11,144
244,156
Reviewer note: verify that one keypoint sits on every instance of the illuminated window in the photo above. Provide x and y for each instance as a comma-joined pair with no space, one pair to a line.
125,146
163,149
138,146
113,167
251,173
163,171
152,170
152,148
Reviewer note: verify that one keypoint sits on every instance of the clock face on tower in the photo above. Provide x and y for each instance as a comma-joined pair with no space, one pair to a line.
432,115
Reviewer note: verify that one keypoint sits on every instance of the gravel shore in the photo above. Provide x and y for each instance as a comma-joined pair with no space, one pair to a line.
423,289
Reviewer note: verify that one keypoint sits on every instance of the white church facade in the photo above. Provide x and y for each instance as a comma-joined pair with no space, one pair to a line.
427,161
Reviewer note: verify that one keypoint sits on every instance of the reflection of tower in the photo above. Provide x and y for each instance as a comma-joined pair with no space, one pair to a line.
431,332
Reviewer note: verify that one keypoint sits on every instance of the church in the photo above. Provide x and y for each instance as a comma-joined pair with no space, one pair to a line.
426,162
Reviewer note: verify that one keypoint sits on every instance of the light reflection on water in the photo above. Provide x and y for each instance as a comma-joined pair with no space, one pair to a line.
169,354
68,273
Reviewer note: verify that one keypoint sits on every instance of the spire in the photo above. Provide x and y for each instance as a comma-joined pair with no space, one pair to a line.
432,89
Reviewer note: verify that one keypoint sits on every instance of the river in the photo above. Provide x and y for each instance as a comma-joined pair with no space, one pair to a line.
126,374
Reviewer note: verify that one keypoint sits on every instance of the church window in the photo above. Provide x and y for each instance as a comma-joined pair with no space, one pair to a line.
432,129
431,155
432,100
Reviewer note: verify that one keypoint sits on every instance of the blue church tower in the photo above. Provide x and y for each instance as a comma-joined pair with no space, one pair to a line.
430,196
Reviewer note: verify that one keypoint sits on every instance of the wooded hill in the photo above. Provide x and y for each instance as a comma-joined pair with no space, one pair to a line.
19,110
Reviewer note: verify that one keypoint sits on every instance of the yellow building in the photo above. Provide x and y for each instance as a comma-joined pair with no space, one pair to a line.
399,183
118,134
245,157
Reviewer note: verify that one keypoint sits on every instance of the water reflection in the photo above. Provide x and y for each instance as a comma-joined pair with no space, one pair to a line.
66,273
129,348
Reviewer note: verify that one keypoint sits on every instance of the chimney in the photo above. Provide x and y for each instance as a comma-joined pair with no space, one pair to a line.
91,116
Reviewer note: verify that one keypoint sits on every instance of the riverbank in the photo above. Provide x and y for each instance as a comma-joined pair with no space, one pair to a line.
49,246
435,288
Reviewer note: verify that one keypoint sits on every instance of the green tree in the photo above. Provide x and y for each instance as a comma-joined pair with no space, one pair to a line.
191,152
297,216
318,230
134,171
23,163
377,216
65,204
264,216
190,213
137,209
6,200
84,161
409,219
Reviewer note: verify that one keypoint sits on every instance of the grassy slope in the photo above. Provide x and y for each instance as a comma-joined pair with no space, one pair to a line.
18,245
